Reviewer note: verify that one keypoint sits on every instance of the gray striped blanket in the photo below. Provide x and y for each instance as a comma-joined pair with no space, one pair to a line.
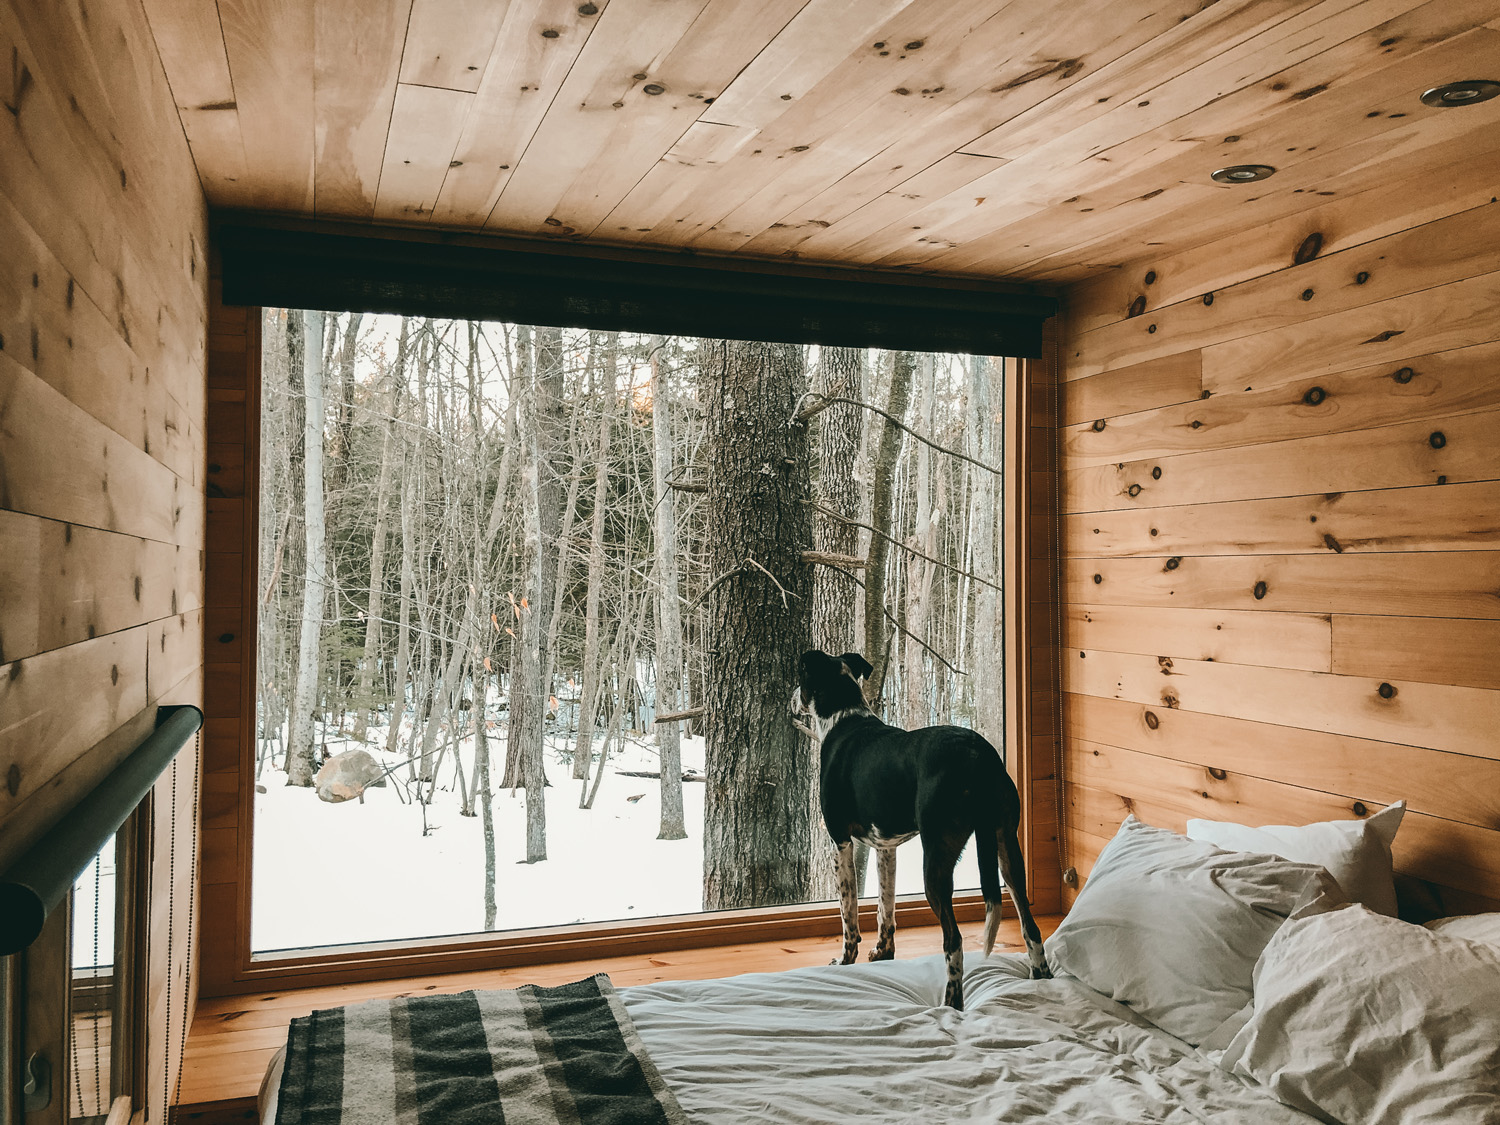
529,1056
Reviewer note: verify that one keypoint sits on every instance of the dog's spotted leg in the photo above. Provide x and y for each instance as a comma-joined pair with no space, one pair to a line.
848,903
885,942
1013,871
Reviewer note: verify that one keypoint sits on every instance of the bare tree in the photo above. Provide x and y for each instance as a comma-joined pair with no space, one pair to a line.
882,511
668,615
300,762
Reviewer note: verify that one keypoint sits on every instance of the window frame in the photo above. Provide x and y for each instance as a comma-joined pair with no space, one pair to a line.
227,964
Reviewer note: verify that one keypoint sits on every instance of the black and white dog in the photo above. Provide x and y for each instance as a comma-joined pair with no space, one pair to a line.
882,785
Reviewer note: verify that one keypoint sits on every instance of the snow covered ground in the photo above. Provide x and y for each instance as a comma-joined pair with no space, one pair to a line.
334,874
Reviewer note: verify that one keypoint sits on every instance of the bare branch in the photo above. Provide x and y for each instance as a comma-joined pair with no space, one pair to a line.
785,593
831,514
828,558
936,655
677,716
802,413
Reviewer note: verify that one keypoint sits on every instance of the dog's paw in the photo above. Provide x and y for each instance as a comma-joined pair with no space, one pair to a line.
1041,972
886,953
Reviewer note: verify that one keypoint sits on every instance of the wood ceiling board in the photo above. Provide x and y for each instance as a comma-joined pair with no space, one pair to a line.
1098,171
630,37
270,47
191,44
356,60
813,44
935,56
828,124
718,45
1015,91
449,42
1312,141
694,161
425,125
520,82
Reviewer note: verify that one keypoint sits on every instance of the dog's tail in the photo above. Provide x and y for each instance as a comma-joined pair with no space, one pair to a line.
987,853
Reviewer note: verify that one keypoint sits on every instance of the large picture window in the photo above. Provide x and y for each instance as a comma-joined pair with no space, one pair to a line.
529,600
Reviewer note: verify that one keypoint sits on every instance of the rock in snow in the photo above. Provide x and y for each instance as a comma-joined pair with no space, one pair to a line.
345,776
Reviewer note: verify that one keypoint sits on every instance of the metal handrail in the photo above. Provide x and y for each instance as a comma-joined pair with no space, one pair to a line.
41,878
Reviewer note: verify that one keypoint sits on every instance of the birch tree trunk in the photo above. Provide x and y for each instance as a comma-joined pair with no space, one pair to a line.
668,613
882,510
987,646
300,764
756,830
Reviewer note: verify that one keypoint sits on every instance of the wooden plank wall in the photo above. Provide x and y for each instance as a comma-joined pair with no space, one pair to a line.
1281,487
102,310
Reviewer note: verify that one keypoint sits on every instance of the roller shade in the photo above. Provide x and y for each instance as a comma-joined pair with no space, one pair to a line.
675,295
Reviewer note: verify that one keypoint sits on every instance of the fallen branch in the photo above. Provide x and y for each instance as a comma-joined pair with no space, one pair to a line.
678,716
687,775
801,413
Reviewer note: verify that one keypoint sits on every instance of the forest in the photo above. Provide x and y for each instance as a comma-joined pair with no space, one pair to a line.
504,558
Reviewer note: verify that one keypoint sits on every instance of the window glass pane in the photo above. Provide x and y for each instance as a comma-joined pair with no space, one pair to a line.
93,985
489,551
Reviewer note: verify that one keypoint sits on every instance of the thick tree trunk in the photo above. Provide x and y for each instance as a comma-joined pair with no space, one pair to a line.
668,613
882,509
835,606
482,791
300,764
987,644
756,831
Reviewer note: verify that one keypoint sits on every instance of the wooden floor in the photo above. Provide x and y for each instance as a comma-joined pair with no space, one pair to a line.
233,1038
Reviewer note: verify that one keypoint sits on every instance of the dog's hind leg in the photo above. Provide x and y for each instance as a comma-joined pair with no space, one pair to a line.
1013,871
848,903
885,943
986,854
938,861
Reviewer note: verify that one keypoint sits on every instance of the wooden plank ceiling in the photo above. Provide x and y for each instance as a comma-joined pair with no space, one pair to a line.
1030,139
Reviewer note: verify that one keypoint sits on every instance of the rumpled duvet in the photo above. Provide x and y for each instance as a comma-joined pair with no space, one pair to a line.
872,1042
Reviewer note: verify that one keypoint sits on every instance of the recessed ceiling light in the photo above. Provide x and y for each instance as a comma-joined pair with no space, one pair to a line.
1243,173
1472,92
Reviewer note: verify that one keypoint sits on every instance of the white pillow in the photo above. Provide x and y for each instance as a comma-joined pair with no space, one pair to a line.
1172,927
1357,853
1470,927
1362,1018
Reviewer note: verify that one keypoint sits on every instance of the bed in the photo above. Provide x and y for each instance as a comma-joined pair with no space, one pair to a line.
1194,984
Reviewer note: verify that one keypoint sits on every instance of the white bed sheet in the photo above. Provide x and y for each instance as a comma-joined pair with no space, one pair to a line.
873,1042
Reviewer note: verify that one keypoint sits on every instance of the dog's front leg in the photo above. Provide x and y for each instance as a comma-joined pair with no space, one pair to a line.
885,942
848,903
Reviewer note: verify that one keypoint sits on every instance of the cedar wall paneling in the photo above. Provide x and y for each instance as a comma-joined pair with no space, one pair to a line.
1281,530
102,311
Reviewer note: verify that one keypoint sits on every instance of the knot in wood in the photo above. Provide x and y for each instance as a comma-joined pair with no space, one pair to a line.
1387,691
550,33
1173,563
1307,294
1098,425
1436,439
1314,396
1134,490
1311,247
1260,590
1208,298
1137,306
588,9
1403,375
1217,774
653,89
1361,277
1151,328
1150,277
1359,808
1156,472
13,780
1098,578
226,638
1151,720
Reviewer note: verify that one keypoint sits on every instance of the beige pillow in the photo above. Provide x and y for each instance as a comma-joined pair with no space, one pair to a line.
1357,853
1171,927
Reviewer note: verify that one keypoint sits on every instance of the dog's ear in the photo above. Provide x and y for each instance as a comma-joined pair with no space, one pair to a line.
856,665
